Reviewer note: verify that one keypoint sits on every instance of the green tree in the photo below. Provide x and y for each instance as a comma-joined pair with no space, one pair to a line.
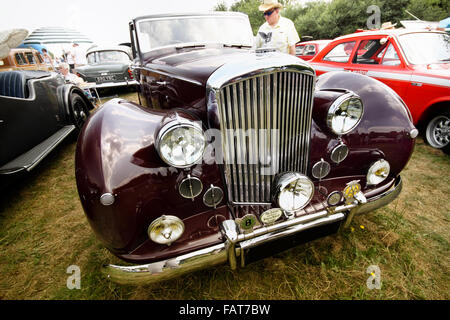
221,6
394,10
429,10
250,7
324,19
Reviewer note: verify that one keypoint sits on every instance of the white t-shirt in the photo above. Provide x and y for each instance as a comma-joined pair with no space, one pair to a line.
70,58
79,57
279,37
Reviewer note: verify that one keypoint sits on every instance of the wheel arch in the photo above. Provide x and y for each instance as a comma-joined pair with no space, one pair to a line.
433,109
66,93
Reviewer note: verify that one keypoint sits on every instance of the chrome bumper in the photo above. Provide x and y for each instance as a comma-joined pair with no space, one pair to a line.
116,84
232,249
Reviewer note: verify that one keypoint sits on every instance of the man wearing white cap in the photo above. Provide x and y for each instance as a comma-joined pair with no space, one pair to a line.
277,32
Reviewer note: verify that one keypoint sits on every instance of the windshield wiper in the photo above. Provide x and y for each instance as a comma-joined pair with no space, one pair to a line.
236,46
448,59
188,46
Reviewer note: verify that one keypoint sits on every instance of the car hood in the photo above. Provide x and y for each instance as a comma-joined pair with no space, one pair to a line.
102,68
199,64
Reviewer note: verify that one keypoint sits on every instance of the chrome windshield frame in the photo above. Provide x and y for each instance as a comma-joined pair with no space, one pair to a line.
137,21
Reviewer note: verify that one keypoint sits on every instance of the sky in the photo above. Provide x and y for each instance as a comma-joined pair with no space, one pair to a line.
104,22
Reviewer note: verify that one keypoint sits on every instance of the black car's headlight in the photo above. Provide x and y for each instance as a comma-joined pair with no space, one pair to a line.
181,143
345,113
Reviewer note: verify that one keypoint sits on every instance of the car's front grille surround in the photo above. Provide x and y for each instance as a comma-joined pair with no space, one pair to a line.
265,123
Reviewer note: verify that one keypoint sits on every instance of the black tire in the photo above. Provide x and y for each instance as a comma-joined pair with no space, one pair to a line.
79,111
437,131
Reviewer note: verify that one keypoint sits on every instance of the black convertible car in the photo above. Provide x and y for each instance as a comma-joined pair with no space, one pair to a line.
38,110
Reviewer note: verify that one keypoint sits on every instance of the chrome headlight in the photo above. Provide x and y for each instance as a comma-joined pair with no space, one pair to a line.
345,113
294,191
378,172
181,143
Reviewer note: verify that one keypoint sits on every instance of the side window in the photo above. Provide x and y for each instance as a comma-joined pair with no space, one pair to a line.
369,51
39,58
91,58
391,57
310,50
299,50
340,53
30,58
20,59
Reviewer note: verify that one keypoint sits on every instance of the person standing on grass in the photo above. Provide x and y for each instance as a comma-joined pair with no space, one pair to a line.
70,60
277,32
78,56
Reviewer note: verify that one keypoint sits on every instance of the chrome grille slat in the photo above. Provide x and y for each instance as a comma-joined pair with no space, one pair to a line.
237,143
295,125
267,120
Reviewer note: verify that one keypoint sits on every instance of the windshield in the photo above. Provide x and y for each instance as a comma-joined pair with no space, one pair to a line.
107,56
426,47
161,32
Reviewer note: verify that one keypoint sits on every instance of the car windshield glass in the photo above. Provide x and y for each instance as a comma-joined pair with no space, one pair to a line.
161,32
426,47
107,56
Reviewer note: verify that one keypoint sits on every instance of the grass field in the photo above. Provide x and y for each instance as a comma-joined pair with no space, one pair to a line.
43,231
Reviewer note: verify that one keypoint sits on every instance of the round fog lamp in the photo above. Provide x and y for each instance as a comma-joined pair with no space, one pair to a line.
378,172
295,191
166,229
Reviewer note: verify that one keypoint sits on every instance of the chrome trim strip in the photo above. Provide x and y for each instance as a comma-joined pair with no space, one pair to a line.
115,84
255,64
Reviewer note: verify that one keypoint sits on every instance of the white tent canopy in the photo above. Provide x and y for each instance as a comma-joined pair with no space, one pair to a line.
58,40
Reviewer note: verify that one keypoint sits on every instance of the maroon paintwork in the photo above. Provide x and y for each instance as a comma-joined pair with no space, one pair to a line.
116,152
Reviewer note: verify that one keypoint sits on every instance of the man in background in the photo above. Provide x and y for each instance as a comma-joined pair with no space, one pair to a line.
68,76
277,32
70,60
78,56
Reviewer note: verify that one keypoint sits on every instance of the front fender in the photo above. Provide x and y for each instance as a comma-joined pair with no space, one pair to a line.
384,131
116,154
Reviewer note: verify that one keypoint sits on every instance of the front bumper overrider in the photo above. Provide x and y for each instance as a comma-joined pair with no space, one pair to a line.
232,250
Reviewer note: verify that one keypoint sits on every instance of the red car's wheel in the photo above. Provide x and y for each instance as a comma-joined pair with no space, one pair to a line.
437,133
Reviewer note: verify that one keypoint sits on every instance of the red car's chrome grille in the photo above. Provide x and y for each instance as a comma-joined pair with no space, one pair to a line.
265,123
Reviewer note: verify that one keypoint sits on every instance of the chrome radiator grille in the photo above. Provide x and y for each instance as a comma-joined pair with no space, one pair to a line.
265,124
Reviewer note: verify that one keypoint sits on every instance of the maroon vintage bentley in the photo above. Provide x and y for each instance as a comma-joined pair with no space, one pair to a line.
233,153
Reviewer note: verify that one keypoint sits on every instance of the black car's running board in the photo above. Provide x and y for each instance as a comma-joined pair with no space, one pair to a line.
31,158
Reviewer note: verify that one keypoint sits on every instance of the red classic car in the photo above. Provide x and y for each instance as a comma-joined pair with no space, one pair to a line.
415,64
308,49
233,154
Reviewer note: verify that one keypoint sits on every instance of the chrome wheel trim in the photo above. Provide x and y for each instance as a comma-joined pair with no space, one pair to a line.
438,132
